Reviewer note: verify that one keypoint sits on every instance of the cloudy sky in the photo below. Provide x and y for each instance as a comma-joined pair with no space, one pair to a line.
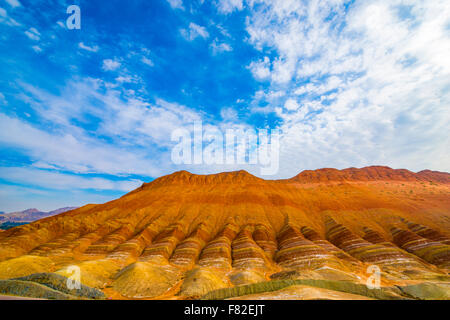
87,115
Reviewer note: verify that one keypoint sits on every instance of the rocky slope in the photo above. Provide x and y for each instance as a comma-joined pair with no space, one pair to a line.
233,235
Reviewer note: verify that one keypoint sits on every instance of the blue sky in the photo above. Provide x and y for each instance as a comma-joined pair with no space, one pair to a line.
86,115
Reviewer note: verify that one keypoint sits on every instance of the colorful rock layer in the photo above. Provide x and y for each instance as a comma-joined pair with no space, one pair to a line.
184,235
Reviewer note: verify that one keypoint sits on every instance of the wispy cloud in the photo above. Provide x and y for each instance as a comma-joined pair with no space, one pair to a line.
229,114
147,61
135,127
228,6
349,83
194,31
62,181
355,100
5,19
33,34
37,49
3,99
95,48
13,3
74,152
218,47
176,4
110,65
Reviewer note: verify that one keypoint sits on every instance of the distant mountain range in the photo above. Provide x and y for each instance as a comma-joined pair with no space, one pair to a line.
12,219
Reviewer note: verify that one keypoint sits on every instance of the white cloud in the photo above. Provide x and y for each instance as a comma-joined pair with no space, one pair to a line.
261,69
223,31
33,34
267,101
291,105
37,49
127,129
194,32
4,18
3,99
81,45
218,47
13,3
228,6
73,151
126,79
371,84
351,87
229,114
147,61
176,4
332,83
62,181
110,65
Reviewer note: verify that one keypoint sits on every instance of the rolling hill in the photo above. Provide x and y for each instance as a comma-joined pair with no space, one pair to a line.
318,235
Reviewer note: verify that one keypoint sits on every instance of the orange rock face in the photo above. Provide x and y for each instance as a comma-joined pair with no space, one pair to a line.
187,234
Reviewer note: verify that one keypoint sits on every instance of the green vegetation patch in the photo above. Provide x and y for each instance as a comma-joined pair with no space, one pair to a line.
59,283
427,291
31,290
387,293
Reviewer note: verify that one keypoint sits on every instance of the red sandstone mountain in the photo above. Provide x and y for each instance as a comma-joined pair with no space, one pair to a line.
232,234
374,173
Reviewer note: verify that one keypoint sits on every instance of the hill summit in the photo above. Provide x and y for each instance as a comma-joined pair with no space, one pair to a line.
373,173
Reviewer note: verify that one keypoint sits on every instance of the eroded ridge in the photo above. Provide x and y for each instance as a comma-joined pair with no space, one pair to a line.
313,236
188,251
375,237
217,253
57,246
265,239
109,242
366,251
297,252
19,241
246,253
81,244
67,249
23,239
164,244
130,250
428,233
431,251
